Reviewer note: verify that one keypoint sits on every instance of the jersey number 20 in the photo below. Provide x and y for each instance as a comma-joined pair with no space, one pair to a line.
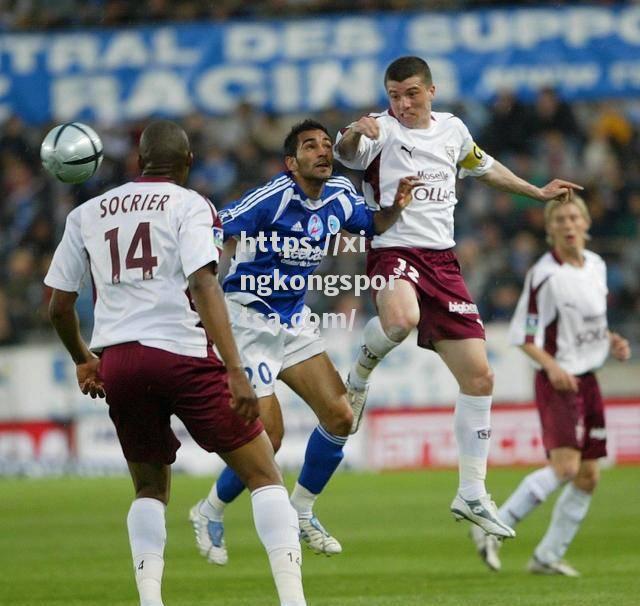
145,261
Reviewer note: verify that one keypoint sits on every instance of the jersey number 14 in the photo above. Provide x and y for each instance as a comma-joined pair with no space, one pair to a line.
145,261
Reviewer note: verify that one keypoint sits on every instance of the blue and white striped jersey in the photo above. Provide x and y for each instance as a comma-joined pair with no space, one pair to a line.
282,237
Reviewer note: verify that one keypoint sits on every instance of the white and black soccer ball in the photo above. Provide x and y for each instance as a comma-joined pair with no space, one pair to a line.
71,152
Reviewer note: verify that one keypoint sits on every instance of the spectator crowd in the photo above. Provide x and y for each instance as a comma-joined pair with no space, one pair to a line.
498,235
22,15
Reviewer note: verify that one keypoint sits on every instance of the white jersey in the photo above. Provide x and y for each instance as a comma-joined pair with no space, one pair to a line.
140,242
563,310
431,153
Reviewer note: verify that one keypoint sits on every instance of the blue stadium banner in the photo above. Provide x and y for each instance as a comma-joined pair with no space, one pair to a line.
307,65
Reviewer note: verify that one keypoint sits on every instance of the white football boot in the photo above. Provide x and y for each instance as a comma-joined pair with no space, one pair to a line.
357,399
209,536
560,567
488,547
482,512
317,538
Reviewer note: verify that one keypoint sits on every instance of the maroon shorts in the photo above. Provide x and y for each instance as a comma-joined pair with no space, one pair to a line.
446,308
145,386
572,420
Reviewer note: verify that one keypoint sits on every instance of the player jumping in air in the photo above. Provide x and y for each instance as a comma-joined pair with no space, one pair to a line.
430,293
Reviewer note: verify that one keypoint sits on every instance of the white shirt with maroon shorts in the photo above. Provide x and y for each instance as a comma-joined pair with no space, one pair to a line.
139,242
563,310
418,247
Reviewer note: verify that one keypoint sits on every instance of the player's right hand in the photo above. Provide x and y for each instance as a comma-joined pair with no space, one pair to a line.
89,379
367,126
404,192
243,398
561,379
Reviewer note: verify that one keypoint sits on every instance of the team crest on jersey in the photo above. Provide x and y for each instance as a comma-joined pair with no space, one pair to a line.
315,228
333,225
532,324
451,152
218,239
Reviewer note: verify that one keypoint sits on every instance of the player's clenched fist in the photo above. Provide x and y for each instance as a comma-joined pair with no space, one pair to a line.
244,400
367,126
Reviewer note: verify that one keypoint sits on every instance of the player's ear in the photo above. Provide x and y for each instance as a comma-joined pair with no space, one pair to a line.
190,159
291,163
431,91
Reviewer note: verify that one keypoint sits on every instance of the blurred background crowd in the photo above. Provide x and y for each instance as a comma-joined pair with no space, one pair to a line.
45,14
499,236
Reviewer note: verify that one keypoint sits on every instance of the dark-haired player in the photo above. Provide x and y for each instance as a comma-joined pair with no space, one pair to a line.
148,244
293,213
430,293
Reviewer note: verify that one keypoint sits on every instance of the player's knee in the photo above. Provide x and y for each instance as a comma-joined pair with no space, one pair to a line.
339,423
399,329
587,479
479,384
566,471
276,441
275,437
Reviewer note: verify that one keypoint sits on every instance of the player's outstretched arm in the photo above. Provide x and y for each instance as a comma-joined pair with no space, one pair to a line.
348,145
209,301
620,348
500,177
62,313
560,378
386,217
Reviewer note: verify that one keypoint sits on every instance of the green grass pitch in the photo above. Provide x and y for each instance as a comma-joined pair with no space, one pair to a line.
63,542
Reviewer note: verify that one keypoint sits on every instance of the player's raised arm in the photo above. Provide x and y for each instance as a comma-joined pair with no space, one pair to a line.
386,217
209,302
500,177
347,147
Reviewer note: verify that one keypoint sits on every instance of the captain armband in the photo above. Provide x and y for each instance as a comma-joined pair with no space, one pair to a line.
475,159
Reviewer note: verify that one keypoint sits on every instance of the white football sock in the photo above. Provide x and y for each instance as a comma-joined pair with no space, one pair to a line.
213,506
472,426
147,537
303,501
569,511
532,491
375,346
277,526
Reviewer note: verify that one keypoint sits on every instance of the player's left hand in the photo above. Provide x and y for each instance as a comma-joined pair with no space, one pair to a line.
404,192
245,402
89,380
620,348
558,188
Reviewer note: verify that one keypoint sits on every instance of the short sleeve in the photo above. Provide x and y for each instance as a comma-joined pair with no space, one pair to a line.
472,161
359,217
70,261
534,312
198,235
368,149
249,215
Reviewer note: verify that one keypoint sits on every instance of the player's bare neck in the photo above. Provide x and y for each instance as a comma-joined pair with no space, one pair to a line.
312,188
571,256
164,173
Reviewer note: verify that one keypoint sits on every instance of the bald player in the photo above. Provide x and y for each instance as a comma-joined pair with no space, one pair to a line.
151,247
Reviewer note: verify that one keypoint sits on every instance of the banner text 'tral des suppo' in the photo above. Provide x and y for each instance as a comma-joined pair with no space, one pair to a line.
313,64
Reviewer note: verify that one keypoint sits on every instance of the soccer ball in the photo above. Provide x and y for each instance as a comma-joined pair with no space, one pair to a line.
71,152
